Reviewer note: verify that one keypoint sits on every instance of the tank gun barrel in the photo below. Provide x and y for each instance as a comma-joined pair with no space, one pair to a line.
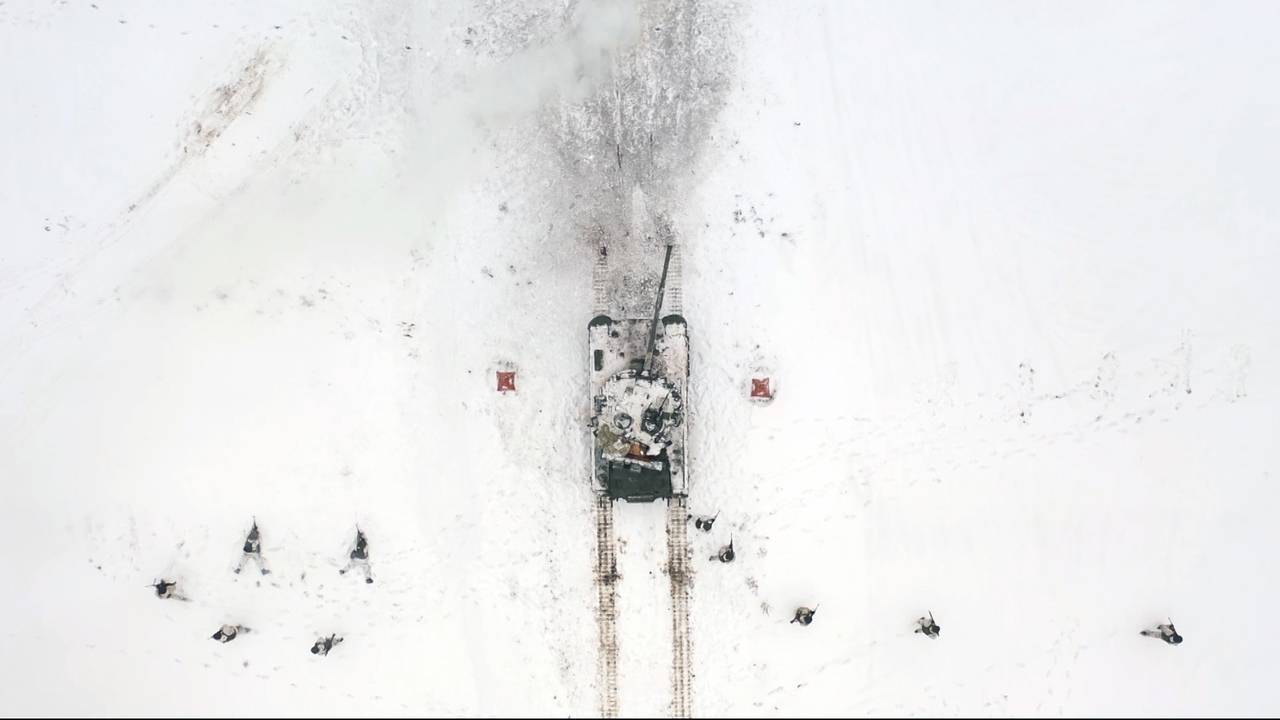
657,310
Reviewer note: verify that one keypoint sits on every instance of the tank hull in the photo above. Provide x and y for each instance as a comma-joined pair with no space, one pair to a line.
638,415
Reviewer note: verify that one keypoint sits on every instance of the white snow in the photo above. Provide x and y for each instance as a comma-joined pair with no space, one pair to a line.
1012,267
644,611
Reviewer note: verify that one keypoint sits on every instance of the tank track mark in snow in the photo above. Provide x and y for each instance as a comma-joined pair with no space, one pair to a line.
600,282
674,302
606,609
625,276
679,572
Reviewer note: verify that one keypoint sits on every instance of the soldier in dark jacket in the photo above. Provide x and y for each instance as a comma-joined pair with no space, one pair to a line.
704,523
359,557
253,551
324,645
928,627
1167,633
227,633
804,615
167,590
726,553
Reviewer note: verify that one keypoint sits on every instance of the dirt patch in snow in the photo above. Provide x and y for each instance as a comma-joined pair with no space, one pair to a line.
216,113
226,103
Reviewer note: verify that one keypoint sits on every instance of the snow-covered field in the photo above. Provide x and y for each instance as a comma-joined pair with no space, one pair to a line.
1011,266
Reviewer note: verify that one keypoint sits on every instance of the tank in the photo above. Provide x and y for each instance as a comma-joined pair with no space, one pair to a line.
639,375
